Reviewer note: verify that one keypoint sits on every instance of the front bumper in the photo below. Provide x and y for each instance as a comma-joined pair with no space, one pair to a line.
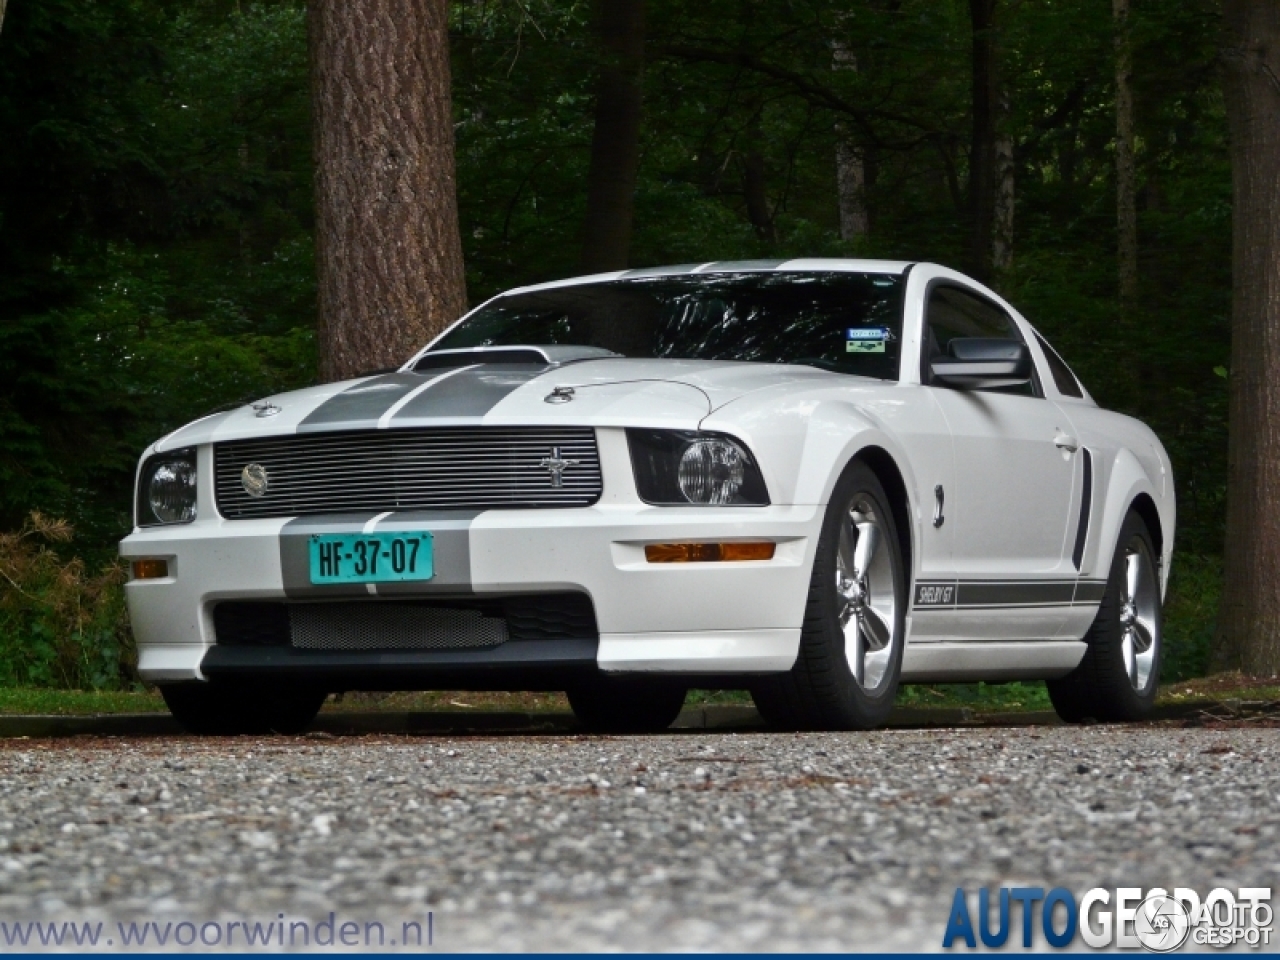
697,619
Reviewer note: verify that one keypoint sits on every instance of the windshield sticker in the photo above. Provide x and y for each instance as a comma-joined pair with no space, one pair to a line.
866,339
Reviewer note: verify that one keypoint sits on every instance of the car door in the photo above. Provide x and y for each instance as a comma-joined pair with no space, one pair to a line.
1014,454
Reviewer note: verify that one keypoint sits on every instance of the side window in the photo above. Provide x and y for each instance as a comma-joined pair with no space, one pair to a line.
956,313
1067,383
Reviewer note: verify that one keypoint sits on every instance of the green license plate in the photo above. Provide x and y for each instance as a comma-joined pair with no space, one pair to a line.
370,557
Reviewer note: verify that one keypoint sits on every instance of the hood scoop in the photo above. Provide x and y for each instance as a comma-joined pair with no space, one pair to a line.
543,356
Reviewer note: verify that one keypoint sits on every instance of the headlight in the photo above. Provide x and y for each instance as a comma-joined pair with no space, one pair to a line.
167,489
690,467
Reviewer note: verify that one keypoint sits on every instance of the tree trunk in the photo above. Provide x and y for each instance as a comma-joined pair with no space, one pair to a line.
982,151
3,4
615,145
1126,177
1249,621
1005,196
388,247
851,164
754,186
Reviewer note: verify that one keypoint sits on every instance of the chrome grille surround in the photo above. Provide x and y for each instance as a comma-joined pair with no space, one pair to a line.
409,469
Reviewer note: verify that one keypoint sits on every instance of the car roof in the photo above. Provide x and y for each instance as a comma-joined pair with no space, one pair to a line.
801,265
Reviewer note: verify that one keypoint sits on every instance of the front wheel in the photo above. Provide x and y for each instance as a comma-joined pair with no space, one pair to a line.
1117,679
228,709
846,675
626,705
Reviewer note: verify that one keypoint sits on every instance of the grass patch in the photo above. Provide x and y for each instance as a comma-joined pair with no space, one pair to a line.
28,700
989,697
448,700
979,697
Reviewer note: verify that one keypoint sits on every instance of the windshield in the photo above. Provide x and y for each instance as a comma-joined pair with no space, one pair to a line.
847,322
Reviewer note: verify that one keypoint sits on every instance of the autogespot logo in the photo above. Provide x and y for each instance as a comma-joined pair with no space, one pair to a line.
1128,917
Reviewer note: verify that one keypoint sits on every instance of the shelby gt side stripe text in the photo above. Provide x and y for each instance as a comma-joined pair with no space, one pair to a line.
1005,594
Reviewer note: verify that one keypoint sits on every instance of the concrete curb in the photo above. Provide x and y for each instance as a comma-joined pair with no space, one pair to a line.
722,717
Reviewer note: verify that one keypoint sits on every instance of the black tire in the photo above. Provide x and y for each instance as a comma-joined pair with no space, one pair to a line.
626,705
820,692
227,709
1100,688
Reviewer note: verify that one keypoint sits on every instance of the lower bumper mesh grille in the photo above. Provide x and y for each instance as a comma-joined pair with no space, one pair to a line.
392,626
404,625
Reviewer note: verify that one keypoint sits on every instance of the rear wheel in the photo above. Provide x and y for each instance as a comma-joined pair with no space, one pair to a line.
227,709
626,705
1118,676
846,675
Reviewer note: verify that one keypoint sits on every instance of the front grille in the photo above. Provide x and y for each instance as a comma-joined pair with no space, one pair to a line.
448,468
365,625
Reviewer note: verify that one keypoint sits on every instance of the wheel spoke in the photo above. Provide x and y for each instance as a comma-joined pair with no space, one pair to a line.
847,613
858,661
1132,574
845,567
865,551
878,631
1130,657
1141,634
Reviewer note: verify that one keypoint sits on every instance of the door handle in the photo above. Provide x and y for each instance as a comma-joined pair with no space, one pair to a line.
1064,441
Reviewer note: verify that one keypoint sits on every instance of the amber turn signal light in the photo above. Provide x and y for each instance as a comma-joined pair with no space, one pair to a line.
707,552
150,569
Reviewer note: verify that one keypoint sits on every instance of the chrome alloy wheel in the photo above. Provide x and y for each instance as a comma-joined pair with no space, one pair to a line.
866,595
1139,603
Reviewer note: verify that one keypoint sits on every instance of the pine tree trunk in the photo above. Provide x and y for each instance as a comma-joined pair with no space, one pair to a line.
615,145
1005,195
3,4
982,149
1126,176
388,247
851,164
754,184
1249,621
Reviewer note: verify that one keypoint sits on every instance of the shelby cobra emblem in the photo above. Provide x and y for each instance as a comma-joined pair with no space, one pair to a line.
255,479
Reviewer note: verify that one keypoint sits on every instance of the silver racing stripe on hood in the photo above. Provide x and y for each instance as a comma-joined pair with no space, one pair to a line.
361,405
466,391
472,392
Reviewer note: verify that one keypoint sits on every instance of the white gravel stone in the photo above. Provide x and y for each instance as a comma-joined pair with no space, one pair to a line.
686,841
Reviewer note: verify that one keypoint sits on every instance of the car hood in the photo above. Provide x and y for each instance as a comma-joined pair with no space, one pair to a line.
674,394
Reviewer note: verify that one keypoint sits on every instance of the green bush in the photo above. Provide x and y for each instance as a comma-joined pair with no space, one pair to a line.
1190,615
60,625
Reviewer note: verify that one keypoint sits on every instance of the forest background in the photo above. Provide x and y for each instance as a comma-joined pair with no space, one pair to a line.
157,216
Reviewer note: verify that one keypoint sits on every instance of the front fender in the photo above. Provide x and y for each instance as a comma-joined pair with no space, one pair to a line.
1122,481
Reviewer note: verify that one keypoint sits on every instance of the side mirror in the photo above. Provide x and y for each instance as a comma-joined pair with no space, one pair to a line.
974,363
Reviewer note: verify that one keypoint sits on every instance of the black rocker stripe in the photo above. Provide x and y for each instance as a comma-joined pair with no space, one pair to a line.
1086,504
974,593
1005,594
1090,591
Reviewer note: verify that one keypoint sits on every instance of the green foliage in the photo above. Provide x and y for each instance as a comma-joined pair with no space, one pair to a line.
42,701
1190,616
60,625
156,214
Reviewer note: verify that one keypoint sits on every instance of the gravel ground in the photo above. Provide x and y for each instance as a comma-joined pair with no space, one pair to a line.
688,841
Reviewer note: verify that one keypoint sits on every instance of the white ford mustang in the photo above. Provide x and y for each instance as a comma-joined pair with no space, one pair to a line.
812,479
